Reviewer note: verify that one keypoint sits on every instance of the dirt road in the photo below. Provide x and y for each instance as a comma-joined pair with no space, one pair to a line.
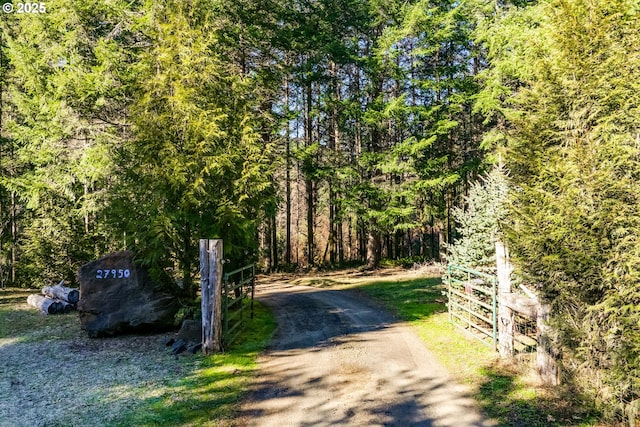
338,359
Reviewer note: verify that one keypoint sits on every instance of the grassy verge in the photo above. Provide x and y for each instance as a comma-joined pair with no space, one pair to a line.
22,323
507,392
210,395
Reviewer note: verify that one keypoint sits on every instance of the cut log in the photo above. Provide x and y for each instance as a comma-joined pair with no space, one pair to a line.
67,307
45,304
59,307
70,295
178,346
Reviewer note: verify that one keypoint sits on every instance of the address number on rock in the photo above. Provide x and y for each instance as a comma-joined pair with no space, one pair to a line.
113,274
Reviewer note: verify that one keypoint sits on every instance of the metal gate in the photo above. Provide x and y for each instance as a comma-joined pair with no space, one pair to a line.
238,290
473,302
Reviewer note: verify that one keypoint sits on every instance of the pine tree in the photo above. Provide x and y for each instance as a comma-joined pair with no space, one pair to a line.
434,151
480,222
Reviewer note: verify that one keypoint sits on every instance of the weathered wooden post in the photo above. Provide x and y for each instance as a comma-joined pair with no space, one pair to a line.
211,292
505,314
547,355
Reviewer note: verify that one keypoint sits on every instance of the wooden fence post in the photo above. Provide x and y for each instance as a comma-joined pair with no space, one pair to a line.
211,292
547,354
505,314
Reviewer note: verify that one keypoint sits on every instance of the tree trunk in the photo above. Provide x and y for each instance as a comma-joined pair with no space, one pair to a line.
187,280
373,246
361,230
331,242
267,244
287,248
435,246
310,221
14,237
334,145
274,243
350,238
308,180
340,243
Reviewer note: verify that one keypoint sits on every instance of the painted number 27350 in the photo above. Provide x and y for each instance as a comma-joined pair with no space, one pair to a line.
113,274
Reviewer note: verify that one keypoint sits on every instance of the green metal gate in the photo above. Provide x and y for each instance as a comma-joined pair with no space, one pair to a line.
238,290
473,302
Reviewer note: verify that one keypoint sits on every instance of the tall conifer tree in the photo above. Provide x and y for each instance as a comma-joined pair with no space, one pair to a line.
194,167
565,87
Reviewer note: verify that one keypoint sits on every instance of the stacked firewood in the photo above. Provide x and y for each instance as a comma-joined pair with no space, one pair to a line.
56,299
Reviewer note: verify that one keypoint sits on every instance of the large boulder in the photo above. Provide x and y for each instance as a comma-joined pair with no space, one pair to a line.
117,296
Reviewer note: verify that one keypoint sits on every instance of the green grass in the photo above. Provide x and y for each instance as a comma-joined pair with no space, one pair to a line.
411,299
199,390
22,323
211,388
210,395
504,391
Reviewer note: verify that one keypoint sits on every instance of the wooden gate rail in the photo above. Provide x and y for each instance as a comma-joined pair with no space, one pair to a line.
238,286
477,300
473,302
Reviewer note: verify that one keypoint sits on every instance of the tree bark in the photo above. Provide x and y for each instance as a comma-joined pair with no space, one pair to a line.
373,246
287,249
14,238
45,304
310,222
340,243
547,354
70,295
274,243
267,244
331,242
308,180
362,239
505,314
185,261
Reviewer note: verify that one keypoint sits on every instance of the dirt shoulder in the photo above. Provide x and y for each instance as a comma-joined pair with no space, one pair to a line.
54,375
339,359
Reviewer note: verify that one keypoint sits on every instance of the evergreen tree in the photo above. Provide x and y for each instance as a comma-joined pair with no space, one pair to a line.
435,152
480,222
565,88
193,168
60,90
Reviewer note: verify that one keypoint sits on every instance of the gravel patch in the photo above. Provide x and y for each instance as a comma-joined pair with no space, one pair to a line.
81,381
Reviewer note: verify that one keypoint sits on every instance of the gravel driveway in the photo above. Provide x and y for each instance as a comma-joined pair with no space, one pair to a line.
338,359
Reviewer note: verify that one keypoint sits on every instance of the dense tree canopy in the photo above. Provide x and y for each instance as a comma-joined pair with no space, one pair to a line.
146,126
567,91
127,128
